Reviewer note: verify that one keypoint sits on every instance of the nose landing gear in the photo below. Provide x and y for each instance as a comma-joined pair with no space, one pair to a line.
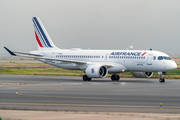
162,79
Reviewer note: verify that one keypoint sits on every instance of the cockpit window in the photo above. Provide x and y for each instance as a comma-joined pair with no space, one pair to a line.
160,58
167,58
164,57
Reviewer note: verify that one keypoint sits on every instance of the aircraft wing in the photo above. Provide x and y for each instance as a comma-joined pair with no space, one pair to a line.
39,56
25,53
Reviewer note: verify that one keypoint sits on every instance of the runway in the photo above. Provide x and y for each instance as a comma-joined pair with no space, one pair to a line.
60,93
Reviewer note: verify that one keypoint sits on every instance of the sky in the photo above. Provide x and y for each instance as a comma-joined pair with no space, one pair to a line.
94,24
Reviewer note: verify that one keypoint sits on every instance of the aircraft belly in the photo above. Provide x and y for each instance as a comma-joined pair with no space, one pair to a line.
137,66
117,68
64,65
68,66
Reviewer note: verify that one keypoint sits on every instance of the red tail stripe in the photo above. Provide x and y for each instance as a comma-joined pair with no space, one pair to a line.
143,53
38,40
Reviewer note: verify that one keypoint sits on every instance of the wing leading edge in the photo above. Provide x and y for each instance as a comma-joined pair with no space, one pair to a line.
40,56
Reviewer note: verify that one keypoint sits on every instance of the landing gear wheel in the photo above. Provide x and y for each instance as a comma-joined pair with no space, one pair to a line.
115,77
89,79
161,80
85,78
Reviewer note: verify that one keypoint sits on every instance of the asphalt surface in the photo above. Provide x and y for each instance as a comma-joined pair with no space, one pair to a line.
59,93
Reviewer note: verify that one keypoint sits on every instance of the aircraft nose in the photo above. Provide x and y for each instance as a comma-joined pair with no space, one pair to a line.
170,65
173,66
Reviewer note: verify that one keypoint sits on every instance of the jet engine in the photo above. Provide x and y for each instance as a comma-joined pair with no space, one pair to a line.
96,71
142,74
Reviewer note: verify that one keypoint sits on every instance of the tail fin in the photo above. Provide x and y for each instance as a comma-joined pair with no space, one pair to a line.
44,41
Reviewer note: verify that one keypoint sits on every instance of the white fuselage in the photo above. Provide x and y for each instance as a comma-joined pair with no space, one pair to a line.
121,60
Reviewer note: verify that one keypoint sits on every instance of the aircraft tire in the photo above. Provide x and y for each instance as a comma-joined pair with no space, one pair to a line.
161,80
113,78
85,77
117,77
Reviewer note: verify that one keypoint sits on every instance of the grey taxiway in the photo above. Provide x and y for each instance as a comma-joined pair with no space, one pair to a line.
60,93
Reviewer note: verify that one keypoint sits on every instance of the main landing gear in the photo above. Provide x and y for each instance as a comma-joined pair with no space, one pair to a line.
85,78
115,77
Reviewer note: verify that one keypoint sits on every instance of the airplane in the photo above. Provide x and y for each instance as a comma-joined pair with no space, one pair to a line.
98,63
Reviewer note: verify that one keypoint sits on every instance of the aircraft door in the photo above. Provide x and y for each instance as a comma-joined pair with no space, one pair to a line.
140,64
149,59
53,55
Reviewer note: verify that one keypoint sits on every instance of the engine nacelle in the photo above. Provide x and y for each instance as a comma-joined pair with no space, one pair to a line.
142,74
96,71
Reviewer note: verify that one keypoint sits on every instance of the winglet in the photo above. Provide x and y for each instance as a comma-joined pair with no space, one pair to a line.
10,52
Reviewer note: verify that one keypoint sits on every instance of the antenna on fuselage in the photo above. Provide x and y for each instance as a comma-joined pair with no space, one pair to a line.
131,47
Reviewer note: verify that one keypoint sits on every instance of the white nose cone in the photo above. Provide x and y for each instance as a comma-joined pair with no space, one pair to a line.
171,66
174,66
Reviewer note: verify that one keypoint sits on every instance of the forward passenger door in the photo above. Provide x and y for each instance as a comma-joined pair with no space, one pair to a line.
149,59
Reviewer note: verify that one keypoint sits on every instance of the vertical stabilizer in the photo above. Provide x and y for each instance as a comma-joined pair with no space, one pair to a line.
44,41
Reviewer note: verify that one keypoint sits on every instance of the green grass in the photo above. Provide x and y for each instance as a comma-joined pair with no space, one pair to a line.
11,64
31,71
175,74
63,72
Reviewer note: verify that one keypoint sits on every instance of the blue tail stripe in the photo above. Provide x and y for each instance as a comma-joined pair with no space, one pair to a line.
38,33
42,32
40,37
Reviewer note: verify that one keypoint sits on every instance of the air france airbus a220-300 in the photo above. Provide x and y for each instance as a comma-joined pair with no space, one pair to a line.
98,63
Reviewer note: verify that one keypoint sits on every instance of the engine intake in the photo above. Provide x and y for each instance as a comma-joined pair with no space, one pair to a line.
142,74
96,71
